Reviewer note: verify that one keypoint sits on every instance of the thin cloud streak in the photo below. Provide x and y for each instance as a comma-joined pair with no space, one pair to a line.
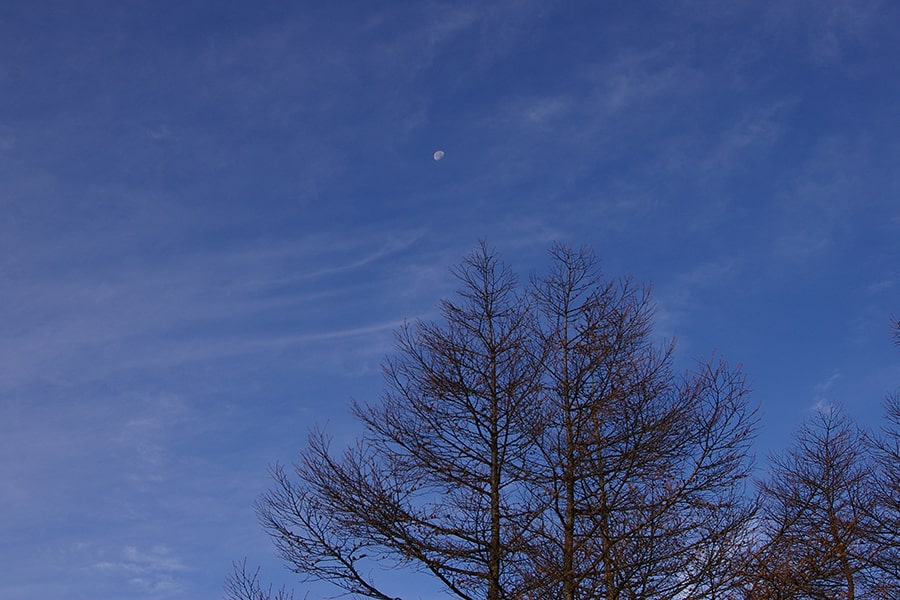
49,324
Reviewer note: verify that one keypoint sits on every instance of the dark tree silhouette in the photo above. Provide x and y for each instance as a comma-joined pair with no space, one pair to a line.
818,507
535,443
642,469
241,584
438,481
885,446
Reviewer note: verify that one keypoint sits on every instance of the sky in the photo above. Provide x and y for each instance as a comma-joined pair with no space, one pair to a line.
214,214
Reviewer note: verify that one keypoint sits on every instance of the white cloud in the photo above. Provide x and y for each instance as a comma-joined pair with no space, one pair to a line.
153,570
126,315
822,400
823,386
159,133
881,285
754,131
543,111
828,28
838,186
633,78
680,299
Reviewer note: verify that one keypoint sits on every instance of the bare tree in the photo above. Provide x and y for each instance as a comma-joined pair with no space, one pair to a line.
831,517
886,527
885,446
241,584
536,443
817,508
641,469
436,484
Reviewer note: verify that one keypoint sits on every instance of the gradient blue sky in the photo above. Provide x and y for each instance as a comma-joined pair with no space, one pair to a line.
215,213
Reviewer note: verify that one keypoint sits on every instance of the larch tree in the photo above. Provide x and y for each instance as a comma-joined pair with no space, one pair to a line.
534,443
641,469
885,446
817,513
437,482
885,527
242,584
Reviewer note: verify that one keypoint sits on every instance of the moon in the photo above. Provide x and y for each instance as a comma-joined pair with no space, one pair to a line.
439,155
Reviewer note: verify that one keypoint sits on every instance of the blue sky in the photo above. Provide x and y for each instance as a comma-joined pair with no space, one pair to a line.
215,213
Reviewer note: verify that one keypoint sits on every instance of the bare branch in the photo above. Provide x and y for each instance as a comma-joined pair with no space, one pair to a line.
243,585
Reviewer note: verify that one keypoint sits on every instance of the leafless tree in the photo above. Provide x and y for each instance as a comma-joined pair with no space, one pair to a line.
641,469
817,508
885,446
886,528
436,484
534,444
241,584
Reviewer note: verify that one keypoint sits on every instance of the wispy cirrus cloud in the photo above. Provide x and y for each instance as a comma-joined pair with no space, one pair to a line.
154,570
832,190
195,304
686,292
823,401
828,28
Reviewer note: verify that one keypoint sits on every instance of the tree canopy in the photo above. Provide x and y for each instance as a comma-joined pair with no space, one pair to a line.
537,442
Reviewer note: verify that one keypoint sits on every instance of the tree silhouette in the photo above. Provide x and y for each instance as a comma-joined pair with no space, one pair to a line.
641,469
534,443
818,507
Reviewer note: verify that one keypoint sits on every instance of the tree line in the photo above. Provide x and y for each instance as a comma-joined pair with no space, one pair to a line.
537,442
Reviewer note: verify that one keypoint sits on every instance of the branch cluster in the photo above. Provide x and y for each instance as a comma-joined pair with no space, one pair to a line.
536,442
